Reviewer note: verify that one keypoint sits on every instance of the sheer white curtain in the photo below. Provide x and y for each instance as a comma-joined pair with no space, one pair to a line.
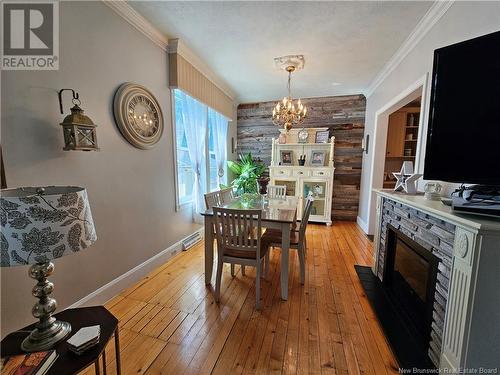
194,118
219,124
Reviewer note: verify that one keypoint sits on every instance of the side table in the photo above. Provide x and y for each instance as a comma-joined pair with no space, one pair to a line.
69,362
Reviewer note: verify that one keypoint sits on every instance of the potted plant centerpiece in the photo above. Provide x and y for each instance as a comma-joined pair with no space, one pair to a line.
248,174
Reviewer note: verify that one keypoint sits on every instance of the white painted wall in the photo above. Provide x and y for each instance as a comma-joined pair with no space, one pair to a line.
131,191
462,21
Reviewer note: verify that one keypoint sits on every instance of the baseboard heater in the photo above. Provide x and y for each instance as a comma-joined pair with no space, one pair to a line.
191,240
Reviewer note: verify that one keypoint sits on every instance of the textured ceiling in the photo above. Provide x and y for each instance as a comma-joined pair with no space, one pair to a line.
345,43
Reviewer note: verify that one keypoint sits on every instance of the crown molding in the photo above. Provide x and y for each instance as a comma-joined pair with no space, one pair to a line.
129,14
175,45
139,22
433,15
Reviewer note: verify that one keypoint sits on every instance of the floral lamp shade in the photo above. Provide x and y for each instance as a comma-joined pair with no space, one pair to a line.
42,224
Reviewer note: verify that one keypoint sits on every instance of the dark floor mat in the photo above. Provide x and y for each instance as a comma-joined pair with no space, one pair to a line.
408,351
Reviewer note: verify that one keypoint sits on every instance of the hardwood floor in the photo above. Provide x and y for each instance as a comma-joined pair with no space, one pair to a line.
170,323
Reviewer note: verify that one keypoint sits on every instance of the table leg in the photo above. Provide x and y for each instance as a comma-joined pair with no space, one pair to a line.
285,248
117,352
104,361
97,367
209,249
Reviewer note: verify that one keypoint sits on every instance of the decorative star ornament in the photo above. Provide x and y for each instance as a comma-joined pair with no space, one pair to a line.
406,179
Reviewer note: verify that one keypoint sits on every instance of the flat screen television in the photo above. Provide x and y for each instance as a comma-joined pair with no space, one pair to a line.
463,138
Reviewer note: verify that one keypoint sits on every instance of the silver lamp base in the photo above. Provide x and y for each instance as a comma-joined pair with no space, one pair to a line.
48,331
39,340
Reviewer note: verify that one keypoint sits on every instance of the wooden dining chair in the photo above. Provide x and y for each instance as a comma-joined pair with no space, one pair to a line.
272,238
213,199
221,198
238,234
226,196
276,191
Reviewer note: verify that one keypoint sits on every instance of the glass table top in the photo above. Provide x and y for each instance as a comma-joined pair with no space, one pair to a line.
282,210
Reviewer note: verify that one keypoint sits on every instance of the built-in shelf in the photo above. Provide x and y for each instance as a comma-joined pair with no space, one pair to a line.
402,140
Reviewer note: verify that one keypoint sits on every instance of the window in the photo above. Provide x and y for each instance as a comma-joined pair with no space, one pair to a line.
185,173
201,151
212,162
217,144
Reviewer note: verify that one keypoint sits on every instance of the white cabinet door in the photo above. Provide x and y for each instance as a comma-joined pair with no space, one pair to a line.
320,190
292,188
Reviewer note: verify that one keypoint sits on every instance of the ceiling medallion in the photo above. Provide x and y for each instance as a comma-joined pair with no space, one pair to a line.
286,113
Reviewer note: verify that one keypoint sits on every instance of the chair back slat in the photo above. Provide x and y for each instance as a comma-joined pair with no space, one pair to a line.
246,225
251,230
219,198
240,234
276,191
212,199
226,196
238,230
305,217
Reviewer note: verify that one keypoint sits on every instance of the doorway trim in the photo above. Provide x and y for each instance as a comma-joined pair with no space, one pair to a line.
418,88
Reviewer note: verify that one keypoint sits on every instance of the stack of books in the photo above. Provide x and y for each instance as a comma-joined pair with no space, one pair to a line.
84,339
28,364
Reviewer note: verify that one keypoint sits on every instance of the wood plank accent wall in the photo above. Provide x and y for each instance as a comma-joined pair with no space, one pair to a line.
343,115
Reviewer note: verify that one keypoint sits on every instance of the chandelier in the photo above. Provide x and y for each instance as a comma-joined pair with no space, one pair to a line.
286,113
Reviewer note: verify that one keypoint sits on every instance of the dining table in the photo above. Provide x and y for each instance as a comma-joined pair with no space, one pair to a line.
277,213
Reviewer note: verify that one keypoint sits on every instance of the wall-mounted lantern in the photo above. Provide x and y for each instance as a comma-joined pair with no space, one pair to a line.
78,129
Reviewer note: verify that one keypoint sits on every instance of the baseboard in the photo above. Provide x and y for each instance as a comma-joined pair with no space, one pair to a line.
362,224
114,287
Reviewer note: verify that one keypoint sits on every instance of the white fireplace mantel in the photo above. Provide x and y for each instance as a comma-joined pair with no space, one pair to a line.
471,335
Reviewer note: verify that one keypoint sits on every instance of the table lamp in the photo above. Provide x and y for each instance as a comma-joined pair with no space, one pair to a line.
40,224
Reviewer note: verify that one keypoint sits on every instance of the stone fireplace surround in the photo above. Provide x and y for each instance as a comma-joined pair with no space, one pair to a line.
467,296
433,234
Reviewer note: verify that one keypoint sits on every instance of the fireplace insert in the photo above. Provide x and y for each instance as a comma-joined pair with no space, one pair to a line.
409,277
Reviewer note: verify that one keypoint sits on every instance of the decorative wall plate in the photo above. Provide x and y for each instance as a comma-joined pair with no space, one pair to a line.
138,115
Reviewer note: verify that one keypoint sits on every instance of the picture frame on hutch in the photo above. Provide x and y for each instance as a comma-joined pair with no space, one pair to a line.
322,136
286,157
318,158
302,136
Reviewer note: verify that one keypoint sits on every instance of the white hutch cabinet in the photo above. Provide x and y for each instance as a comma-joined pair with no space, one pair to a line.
312,178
